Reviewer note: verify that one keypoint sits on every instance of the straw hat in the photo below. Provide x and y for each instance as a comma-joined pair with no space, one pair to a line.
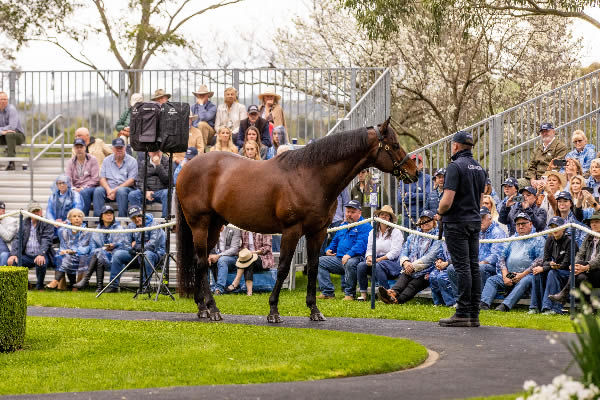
203,89
387,209
270,91
560,176
245,258
160,93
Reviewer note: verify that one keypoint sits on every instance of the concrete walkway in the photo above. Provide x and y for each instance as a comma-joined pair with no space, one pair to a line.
472,362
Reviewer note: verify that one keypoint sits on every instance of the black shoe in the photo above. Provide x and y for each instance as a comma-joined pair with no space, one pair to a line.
11,166
456,321
385,296
502,307
112,289
483,306
561,297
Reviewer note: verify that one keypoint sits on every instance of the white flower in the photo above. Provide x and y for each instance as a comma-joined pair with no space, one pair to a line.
529,385
585,289
595,302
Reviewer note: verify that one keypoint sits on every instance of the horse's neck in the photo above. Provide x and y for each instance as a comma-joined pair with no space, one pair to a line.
340,174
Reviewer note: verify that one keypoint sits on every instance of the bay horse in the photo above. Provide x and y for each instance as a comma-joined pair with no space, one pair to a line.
294,193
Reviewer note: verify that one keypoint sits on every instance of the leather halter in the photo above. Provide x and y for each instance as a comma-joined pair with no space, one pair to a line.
398,171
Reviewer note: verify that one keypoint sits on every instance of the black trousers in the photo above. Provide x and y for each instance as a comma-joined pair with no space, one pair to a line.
406,287
592,276
249,271
462,241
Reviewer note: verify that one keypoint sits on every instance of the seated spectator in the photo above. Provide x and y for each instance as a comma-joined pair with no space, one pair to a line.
230,113
255,256
277,139
552,274
338,218
117,178
417,259
157,182
548,149
271,110
62,200
154,247
510,187
251,150
93,146
252,135
224,141
584,152
516,264
189,154
528,206
565,211
224,255
202,119
433,197
122,125
489,253
388,247
573,168
444,290
37,248
547,191
412,196
74,249
584,203
361,192
593,182
11,131
488,201
8,230
84,172
489,191
102,247
254,119
343,254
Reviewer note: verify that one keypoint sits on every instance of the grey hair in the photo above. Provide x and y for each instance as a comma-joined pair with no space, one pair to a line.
135,98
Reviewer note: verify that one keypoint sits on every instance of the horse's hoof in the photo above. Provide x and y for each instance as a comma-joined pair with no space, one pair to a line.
203,314
216,316
317,316
274,319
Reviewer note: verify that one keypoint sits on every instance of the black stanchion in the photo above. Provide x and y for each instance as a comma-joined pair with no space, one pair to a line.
143,239
164,278
373,263
572,274
20,258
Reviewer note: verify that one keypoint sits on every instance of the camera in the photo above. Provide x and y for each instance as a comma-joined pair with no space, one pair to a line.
518,198
588,189
560,163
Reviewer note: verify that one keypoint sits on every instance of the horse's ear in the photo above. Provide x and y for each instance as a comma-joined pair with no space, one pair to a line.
386,123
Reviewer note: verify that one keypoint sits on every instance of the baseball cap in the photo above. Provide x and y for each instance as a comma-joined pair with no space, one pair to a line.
2,205
191,152
463,137
546,126
441,171
79,142
427,214
33,206
564,195
484,211
134,211
510,181
556,220
353,204
106,209
522,215
415,156
118,142
488,181
253,109
529,189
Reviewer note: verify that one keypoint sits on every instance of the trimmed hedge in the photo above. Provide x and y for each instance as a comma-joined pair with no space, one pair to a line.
13,307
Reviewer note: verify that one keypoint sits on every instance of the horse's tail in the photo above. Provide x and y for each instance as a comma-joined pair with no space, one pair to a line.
186,257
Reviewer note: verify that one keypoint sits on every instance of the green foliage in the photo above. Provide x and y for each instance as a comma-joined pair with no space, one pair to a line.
13,307
64,354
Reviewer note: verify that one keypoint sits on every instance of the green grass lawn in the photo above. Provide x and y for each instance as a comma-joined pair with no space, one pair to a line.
293,303
63,354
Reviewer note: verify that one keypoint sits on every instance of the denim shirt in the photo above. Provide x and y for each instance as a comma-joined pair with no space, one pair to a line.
422,252
520,255
584,157
155,239
492,252
205,112
98,241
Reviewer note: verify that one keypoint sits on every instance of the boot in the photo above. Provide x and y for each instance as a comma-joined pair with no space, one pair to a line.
56,282
62,283
11,166
84,281
99,277
561,297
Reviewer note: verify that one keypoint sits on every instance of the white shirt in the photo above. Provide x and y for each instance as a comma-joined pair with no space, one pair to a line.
391,247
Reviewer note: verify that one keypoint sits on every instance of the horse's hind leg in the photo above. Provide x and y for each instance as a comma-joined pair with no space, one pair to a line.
313,247
200,231
214,230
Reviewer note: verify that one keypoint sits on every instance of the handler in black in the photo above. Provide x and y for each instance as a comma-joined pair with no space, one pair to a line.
464,185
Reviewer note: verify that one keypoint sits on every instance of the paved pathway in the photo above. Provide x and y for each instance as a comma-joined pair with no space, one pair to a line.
472,362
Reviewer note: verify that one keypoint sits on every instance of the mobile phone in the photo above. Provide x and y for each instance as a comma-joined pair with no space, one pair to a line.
518,198
511,275
588,189
560,162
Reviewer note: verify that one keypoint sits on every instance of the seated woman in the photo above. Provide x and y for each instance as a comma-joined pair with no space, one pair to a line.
546,200
442,281
62,200
583,201
488,201
251,150
417,259
252,134
278,139
224,141
389,245
572,169
74,248
102,247
253,244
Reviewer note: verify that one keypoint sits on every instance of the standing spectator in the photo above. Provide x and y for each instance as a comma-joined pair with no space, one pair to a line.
117,178
202,116
37,245
83,170
224,255
8,229
256,255
254,119
11,131
489,253
252,134
157,182
278,139
417,259
361,192
230,113
528,206
412,197
224,141
343,255
593,182
516,264
549,149
388,247
433,198
62,200
154,247
271,110
122,125
251,150
93,146
584,152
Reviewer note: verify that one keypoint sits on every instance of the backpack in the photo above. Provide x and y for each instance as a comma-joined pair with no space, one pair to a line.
145,130
174,127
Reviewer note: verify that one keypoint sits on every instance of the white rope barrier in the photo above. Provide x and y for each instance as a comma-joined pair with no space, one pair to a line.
10,214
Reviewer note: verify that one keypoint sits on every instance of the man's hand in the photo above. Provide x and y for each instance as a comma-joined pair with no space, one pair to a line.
6,131
507,282
579,268
537,270
150,195
408,267
369,261
510,202
109,247
39,261
77,189
111,194
554,265
441,265
345,259
213,258
12,260
329,253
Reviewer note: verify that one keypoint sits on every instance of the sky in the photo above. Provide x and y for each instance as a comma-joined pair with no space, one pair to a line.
262,17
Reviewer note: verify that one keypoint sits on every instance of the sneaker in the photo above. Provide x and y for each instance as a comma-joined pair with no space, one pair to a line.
387,296
348,298
550,312
361,298
502,307
483,306
533,311
325,297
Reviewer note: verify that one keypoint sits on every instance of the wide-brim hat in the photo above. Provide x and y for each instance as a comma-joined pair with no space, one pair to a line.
560,176
160,93
270,91
203,89
387,209
594,216
33,206
245,258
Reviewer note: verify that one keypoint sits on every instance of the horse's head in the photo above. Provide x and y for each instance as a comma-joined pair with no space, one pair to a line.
391,157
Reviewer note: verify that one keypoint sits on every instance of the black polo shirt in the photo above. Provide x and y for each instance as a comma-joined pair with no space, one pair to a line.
467,178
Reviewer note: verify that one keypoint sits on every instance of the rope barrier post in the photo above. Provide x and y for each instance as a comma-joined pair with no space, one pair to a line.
572,274
375,203
373,264
20,239
143,235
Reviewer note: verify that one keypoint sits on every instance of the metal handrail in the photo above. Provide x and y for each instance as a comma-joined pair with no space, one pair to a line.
31,156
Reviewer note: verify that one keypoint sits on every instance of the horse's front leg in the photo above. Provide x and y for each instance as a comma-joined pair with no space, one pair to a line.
313,247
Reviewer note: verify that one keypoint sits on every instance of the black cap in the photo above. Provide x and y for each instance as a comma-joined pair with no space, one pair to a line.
546,126
441,171
427,214
529,189
353,204
522,215
484,211
556,220
118,142
463,137
510,181
79,142
191,152
253,109
134,211
2,205
564,195
106,209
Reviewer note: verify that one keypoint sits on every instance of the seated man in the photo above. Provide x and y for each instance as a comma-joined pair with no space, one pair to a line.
254,119
154,247
11,131
417,259
93,146
8,230
84,171
117,178
157,182
510,187
548,149
528,205
37,245
202,118
442,280
516,264
489,253
224,255
344,254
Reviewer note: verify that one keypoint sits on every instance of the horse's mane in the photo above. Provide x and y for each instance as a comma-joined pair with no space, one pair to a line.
326,150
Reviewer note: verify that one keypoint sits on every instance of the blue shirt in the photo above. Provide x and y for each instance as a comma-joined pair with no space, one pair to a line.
492,252
9,119
116,175
520,255
342,199
414,195
205,112
422,252
351,241
584,157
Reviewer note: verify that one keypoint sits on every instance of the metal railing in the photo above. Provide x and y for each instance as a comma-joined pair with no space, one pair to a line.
34,157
